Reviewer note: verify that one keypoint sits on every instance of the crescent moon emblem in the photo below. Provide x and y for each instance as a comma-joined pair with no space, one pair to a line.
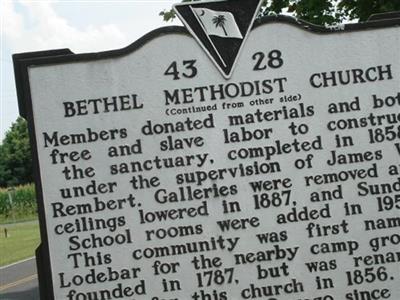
202,13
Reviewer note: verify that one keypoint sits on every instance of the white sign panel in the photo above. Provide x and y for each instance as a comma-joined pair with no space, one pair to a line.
161,179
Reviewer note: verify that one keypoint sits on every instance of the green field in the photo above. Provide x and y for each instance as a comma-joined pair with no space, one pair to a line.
17,219
18,204
22,240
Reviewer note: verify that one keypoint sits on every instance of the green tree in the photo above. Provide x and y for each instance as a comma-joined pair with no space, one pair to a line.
362,9
15,156
320,12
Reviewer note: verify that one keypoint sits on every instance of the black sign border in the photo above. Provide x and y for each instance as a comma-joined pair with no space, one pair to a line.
23,61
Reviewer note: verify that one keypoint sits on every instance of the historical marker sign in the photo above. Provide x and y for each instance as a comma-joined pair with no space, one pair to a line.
159,178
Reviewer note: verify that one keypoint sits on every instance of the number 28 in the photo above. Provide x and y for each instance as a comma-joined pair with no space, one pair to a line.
272,60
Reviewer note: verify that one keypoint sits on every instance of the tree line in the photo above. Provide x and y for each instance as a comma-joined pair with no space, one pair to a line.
15,156
320,12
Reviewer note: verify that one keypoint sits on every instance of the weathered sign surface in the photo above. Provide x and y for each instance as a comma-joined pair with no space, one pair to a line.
158,178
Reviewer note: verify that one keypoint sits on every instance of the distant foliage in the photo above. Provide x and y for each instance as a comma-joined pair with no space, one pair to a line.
23,201
15,156
363,9
320,12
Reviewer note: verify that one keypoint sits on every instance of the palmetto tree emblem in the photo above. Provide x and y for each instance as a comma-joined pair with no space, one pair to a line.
221,27
219,21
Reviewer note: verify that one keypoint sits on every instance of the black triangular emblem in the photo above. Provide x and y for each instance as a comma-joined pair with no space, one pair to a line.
221,27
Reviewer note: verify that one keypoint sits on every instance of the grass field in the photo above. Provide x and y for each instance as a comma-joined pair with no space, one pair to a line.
17,219
22,240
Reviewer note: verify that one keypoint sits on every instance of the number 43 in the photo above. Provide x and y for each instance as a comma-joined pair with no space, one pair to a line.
189,69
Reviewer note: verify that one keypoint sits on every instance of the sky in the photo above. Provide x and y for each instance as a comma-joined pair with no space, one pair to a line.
80,25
